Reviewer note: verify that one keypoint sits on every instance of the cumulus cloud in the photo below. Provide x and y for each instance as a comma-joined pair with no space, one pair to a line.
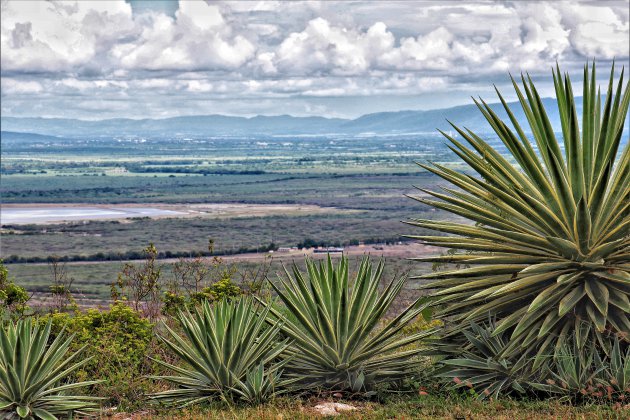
289,57
323,47
198,38
58,36
16,87
599,32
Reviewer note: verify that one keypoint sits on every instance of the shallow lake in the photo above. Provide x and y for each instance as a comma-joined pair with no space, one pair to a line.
44,214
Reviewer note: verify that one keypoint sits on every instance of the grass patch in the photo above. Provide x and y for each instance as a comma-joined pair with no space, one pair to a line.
405,407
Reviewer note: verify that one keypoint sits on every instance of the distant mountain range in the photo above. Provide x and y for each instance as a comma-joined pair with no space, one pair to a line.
382,123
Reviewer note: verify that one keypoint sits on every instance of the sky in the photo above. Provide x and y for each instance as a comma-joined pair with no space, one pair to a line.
156,59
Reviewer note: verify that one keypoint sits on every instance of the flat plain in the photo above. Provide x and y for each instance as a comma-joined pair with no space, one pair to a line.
246,195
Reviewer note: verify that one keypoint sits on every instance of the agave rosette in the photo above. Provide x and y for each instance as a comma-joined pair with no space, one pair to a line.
32,374
550,243
339,339
229,350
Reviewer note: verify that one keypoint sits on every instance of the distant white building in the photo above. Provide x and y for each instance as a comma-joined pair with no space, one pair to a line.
118,170
329,250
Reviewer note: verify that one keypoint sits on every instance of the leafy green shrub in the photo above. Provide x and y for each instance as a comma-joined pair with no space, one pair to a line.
13,298
335,327
229,352
117,341
172,303
223,289
31,371
550,246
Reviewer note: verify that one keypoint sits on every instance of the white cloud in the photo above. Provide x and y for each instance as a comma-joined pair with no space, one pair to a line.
58,36
16,87
596,39
198,86
198,38
289,56
600,32
340,50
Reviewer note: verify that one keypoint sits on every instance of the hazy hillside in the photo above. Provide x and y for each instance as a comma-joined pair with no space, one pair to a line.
219,125
25,137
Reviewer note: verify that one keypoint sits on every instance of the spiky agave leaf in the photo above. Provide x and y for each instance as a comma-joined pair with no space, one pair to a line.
223,343
335,327
578,371
550,246
262,384
31,372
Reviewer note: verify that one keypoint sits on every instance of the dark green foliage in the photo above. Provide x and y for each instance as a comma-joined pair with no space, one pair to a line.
579,371
13,298
482,368
118,341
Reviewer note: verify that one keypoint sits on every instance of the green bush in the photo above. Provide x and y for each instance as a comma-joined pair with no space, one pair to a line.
172,303
224,289
13,298
119,341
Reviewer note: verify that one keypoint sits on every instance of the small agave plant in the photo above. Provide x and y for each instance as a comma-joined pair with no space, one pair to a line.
547,246
230,352
339,339
481,366
578,371
31,374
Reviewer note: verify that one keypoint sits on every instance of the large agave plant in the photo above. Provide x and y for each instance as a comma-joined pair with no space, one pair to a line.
550,242
229,351
31,372
334,323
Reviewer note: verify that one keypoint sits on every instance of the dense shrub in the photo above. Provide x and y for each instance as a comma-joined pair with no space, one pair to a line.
177,300
13,298
577,371
119,340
